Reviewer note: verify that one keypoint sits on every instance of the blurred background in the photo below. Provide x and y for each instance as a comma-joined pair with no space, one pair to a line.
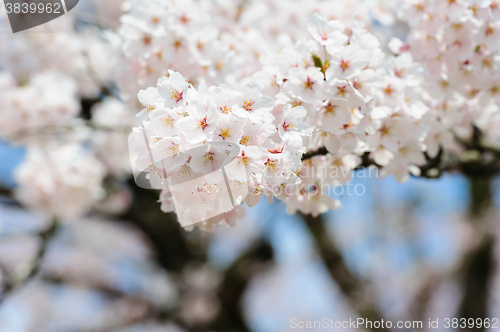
424,249
402,252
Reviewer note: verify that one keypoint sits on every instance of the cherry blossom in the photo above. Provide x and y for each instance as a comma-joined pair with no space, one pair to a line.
227,149
62,181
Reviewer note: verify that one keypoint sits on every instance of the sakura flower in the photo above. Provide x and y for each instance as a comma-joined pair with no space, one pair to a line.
173,89
167,153
327,32
351,60
208,158
150,100
256,192
251,104
335,114
311,200
164,122
199,124
291,127
250,161
365,83
407,158
269,79
257,134
228,129
389,135
332,143
227,219
305,84
492,35
340,167
403,67
349,138
334,91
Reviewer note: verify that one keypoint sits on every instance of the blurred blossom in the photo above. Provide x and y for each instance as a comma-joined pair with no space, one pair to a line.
110,256
60,180
306,92
89,264
56,104
51,307
113,119
221,43
117,201
198,308
80,55
153,327
201,278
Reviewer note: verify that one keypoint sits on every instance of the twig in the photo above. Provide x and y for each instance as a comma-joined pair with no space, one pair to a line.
45,237
320,152
435,167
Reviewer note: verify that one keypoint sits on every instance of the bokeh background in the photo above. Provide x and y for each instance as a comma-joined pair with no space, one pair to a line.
414,251
412,248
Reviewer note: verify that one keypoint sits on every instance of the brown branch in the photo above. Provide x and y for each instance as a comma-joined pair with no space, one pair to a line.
320,152
6,192
479,263
45,237
175,249
234,284
476,266
481,167
354,289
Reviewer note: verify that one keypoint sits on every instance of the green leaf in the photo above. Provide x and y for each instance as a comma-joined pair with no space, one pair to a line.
317,61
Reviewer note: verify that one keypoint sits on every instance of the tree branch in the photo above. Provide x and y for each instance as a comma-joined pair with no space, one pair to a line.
477,166
320,152
479,264
354,289
45,237
234,284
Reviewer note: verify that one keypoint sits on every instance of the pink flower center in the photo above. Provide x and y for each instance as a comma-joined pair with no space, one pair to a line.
203,124
309,84
248,105
344,64
175,94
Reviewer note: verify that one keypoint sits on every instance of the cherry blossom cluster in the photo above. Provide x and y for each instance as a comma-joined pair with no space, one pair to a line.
184,133
56,104
458,43
44,76
220,42
336,90
357,100
83,55
62,180
280,87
